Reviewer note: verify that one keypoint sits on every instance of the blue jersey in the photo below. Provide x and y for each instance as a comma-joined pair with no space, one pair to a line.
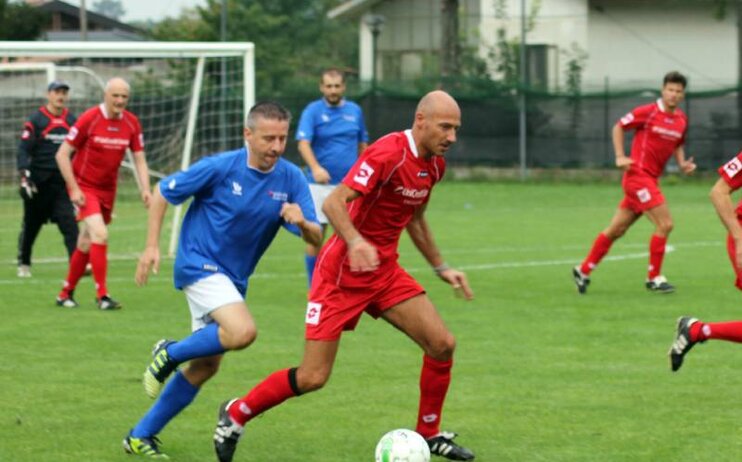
234,215
334,133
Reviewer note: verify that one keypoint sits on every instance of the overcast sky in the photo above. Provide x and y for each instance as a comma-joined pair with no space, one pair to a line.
141,10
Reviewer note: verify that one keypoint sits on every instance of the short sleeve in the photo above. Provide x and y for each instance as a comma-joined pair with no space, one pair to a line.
362,132
178,187
305,130
636,118
78,134
136,143
370,169
731,172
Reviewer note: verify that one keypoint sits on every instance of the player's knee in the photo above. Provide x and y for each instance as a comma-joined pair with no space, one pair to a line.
308,381
99,235
243,337
442,348
665,227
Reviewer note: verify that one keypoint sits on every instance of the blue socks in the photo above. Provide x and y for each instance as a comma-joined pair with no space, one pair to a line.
204,342
178,394
309,262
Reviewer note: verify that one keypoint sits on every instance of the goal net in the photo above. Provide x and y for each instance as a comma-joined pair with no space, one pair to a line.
190,97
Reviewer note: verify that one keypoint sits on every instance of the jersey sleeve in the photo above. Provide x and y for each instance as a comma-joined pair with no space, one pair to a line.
362,132
78,134
136,143
636,118
370,169
305,129
26,146
731,172
178,187
300,195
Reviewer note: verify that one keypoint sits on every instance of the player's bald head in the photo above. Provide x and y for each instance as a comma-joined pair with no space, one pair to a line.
437,102
117,84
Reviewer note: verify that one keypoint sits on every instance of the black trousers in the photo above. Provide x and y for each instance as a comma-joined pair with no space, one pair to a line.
50,203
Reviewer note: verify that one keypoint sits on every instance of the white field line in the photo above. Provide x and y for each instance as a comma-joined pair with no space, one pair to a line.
465,267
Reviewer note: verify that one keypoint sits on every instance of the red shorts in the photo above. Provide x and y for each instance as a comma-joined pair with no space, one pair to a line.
96,201
641,193
333,309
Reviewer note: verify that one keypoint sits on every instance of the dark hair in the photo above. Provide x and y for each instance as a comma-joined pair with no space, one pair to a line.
675,77
332,71
267,110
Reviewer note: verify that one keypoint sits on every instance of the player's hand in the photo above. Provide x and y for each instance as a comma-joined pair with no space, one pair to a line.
688,166
458,281
291,213
362,256
320,175
150,260
27,187
146,198
624,162
77,197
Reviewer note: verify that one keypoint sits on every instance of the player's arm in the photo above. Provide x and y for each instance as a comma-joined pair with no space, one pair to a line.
362,256
140,164
721,197
63,156
319,174
310,231
150,258
422,237
622,160
686,165
23,160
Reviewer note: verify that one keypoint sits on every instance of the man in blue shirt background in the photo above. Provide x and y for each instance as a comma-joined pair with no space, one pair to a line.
331,136
240,200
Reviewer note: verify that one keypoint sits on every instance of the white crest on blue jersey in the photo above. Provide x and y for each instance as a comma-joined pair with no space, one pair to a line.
236,188
325,118
171,184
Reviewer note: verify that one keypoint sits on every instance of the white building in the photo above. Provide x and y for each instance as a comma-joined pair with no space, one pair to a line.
628,43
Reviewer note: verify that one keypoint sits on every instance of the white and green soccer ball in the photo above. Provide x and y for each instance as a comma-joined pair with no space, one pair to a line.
402,446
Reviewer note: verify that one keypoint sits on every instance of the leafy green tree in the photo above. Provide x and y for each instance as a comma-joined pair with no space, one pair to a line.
19,21
110,8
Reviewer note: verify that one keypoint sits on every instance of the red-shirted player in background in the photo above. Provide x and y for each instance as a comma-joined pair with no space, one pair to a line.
660,129
690,330
99,139
385,192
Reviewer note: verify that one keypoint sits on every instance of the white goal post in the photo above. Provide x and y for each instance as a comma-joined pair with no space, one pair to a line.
191,97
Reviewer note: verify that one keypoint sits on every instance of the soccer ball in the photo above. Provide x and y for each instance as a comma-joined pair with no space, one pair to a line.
402,446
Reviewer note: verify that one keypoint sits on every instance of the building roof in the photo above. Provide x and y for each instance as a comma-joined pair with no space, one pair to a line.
93,36
58,6
352,9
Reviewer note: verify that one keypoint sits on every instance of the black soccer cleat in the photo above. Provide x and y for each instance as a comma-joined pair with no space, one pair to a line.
682,344
159,369
106,303
227,434
68,301
582,280
660,285
442,445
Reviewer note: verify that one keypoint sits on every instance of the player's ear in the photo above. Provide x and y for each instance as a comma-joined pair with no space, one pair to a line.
247,132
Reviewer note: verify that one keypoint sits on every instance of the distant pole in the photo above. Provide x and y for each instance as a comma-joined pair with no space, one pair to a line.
83,21
223,83
522,70
375,22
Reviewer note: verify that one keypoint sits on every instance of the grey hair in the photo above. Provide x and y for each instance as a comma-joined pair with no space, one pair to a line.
115,80
267,110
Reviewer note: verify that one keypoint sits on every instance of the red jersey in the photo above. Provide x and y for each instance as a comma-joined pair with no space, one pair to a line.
100,143
394,182
731,172
658,135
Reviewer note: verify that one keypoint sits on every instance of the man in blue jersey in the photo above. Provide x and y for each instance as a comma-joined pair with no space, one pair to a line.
331,136
240,200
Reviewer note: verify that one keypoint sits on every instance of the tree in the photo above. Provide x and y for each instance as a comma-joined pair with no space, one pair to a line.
19,21
110,8
450,46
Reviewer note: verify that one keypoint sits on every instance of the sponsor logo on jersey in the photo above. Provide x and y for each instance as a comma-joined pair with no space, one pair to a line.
55,138
349,117
25,135
171,184
313,313
667,132
364,173
236,188
72,134
733,167
141,139
411,192
111,128
110,141
209,267
422,174
627,119
278,196
644,195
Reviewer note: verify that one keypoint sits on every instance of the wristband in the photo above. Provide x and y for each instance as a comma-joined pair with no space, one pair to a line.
441,268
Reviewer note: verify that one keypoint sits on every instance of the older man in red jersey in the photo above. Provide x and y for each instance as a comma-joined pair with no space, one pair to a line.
100,139
660,129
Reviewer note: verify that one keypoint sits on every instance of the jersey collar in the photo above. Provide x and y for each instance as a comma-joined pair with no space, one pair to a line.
105,113
411,142
247,161
328,105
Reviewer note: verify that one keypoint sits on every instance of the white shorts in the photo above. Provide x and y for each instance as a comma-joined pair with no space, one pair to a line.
208,294
319,193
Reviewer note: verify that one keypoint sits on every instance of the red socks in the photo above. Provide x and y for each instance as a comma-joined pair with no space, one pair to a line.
99,261
600,248
271,392
729,331
434,380
656,255
78,262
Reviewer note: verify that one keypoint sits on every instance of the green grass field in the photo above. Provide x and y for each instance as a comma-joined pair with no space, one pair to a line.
541,374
